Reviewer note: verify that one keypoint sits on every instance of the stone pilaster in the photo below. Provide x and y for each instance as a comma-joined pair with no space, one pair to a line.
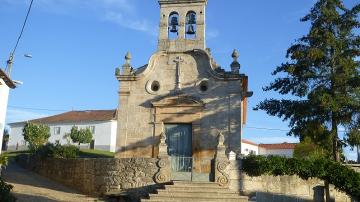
221,163
164,172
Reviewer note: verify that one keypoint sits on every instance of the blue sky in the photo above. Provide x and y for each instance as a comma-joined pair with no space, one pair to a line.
77,44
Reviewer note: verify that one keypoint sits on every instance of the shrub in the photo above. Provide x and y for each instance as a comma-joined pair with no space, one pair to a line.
5,194
342,177
68,151
3,160
57,151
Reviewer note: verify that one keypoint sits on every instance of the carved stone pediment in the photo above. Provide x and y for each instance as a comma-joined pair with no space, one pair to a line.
178,100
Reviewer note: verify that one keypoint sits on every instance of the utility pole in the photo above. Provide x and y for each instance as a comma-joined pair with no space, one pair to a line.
9,64
6,82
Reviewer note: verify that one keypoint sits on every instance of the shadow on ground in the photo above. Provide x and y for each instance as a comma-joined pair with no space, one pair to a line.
31,198
29,186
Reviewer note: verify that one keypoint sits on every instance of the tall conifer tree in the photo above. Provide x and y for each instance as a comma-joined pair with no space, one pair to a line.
321,73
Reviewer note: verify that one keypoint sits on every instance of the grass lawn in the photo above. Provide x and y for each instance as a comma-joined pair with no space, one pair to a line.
11,155
89,153
83,153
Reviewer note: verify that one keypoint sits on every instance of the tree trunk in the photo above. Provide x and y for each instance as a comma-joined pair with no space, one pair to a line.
358,153
336,153
335,140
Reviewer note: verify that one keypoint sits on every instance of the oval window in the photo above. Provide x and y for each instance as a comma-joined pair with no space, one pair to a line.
155,86
204,86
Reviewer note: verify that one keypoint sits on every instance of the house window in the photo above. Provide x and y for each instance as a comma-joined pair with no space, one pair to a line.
92,129
57,130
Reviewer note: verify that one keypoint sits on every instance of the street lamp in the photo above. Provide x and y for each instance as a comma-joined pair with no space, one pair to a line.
10,62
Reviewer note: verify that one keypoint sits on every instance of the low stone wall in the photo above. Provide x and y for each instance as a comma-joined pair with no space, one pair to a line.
137,176
280,188
98,176
356,167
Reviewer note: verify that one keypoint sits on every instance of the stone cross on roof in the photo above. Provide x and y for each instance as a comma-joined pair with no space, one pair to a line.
178,60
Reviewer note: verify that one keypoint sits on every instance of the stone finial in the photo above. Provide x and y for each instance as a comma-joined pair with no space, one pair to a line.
127,69
163,153
235,55
162,138
235,65
221,139
117,72
128,58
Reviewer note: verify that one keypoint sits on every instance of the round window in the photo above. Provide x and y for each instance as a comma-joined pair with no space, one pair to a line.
204,86
155,86
152,87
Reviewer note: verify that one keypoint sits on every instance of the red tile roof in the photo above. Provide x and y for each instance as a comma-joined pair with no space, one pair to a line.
78,116
284,145
248,142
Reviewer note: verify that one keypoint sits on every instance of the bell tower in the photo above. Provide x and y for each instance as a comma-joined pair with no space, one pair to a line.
182,25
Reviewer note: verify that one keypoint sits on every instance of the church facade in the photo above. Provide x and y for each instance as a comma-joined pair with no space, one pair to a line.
181,96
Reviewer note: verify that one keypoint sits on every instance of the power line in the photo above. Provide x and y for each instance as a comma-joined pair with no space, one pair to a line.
259,128
23,27
278,129
64,110
37,109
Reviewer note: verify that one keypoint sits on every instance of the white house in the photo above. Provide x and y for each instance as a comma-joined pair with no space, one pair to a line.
102,123
279,149
283,149
5,84
248,147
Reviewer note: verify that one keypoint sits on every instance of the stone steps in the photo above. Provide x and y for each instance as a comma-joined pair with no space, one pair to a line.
191,187
186,199
195,192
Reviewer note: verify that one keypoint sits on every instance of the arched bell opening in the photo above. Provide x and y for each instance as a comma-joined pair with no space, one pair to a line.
173,29
190,26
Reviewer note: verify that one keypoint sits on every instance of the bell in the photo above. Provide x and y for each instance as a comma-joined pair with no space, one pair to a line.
190,30
174,21
191,19
173,29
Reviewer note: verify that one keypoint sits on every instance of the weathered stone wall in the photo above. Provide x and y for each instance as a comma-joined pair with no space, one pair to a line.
356,167
280,188
138,120
97,176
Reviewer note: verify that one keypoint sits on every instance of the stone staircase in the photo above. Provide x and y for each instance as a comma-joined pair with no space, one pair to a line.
195,191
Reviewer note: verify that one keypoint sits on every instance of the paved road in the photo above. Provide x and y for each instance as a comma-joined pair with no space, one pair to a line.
30,187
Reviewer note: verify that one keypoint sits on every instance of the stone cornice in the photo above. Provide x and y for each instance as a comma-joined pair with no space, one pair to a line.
161,2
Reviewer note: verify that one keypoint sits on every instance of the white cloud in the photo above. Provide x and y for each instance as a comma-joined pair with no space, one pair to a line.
135,24
212,34
17,115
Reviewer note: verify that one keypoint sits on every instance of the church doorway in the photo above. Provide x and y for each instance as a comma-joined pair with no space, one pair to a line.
179,141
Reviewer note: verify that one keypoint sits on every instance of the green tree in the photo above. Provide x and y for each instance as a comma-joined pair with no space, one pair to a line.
36,135
307,149
353,138
81,136
321,74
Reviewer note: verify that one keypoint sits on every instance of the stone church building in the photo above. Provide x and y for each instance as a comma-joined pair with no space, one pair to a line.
181,97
